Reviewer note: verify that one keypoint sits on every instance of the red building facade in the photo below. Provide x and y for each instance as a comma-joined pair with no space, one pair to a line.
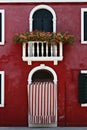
15,72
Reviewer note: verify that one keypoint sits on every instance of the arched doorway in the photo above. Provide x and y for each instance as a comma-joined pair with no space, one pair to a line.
42,97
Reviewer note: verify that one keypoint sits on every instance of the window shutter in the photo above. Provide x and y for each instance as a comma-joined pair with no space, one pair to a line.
48,24
85,26
42,20
37,24
0,88
0,27
82,88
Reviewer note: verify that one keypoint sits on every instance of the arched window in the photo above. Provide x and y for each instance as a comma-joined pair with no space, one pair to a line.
42,69
42,18
42,75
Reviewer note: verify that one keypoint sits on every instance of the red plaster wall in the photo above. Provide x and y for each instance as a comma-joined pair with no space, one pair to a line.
15,112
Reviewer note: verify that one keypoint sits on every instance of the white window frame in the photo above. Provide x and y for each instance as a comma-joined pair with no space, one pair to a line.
2,88
42,7
84,72
82,25
3,26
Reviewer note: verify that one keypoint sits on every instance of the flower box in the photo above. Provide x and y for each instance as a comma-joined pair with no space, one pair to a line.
43,46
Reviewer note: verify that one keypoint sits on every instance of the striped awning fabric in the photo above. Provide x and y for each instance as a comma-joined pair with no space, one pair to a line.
42,102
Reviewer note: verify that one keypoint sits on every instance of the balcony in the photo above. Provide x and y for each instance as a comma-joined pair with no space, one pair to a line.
41,51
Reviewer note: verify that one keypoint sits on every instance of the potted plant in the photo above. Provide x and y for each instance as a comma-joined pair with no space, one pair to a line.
49,37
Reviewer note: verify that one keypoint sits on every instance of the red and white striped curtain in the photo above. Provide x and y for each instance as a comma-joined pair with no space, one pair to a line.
42,101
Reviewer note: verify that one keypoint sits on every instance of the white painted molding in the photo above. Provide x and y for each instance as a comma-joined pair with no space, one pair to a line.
42,66
2,11
84,72
42,7
84,105
2,88
40,1
82,25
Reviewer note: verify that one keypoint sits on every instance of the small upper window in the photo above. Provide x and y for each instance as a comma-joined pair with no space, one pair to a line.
84,25
44,18
1,88
1,27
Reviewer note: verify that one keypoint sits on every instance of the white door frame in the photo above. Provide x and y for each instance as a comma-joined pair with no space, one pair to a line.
43,67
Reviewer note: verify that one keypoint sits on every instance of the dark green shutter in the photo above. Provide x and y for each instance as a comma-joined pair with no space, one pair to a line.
0,27
37,24
42,20
85,26
0,88
48,24
82,88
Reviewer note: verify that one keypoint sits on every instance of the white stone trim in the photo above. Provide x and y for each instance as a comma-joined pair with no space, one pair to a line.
42,7
83,71
84,105
54,59
2,88
2,11
82,25
39,1
30,57
42,66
